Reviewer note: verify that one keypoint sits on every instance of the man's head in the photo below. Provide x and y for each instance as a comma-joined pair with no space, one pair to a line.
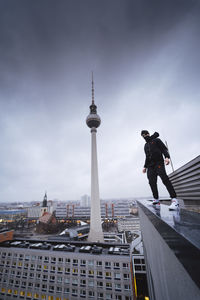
144,133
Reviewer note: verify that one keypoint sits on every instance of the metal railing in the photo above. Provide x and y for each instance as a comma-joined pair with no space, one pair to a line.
186,181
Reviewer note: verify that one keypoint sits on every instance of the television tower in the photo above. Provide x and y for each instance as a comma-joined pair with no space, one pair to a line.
93,121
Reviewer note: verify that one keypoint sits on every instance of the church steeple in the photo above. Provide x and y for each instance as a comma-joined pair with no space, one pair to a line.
44,203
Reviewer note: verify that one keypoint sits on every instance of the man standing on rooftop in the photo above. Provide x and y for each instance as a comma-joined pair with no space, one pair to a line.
155,166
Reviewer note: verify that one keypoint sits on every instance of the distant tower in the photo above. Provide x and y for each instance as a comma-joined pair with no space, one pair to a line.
44,203
93,121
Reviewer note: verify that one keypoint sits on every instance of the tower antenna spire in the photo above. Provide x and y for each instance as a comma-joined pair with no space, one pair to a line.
92,89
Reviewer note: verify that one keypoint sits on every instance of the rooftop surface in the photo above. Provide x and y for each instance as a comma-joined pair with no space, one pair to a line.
181,232
184,222
100,249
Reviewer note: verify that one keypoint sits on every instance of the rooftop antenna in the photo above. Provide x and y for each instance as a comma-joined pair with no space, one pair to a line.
92,89
170,156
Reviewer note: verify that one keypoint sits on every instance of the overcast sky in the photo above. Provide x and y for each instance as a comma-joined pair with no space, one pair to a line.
146,61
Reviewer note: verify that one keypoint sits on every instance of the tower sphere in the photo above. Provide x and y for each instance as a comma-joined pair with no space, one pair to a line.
93,120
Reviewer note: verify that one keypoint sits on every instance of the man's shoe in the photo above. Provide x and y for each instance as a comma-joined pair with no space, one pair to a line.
156,201
174,204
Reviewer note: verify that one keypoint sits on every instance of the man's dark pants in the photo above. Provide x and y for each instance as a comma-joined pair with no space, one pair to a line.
152,175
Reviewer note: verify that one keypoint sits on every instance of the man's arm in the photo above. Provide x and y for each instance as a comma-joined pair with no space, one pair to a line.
163,148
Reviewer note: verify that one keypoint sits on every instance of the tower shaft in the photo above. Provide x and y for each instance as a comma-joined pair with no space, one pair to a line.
96,233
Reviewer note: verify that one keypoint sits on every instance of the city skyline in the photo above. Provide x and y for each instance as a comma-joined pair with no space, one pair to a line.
146,62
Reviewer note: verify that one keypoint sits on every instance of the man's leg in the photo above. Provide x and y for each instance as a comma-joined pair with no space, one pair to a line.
152,177
165,179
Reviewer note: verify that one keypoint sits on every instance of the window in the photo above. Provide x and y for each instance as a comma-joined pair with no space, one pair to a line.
90,283
43,297
33,257
24,275
99,263
38,275
9,291
23,283
74,292
118,287
82,282
100,296
46,259
59,279
107,264
91,263
27,257
19,264
45,277
32,267
125,265
22,294
127,287
75,281
39,267
37,285
53,260
30,284
52,278
126,276
59,289
31,275
82,293
60,269
91,273
67,270
29,295
116,265
53,268
117,276
66,290
74,271
51,288
99,274
83,272
118,297
91,294
60,259
83,262
26,266
108,285
44,287
36,296
108,296
108,275
39,257
67,280
67,260
75,262
45,267
99,284
138,268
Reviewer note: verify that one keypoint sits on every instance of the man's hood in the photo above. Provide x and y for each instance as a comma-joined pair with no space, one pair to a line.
150,138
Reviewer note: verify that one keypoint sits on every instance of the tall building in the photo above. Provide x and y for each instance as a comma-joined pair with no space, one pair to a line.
85,201
93,121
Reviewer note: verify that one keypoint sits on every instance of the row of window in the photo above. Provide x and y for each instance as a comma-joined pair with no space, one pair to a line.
53,260
53,278
74,293
59,289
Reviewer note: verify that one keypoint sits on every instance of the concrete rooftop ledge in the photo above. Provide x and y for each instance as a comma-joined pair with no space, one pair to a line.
179,230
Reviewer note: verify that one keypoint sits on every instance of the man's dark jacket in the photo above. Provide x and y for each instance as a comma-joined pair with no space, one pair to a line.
154,150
